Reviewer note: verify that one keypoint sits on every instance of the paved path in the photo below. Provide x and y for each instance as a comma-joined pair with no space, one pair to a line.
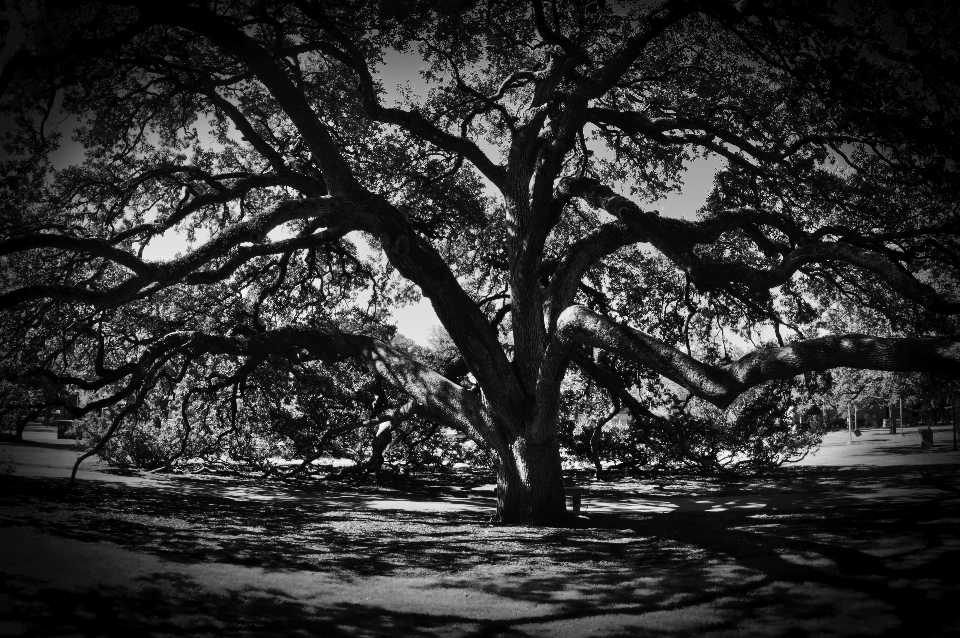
878,448
45,456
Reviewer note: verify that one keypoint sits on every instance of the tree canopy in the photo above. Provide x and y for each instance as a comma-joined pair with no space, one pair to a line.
516,193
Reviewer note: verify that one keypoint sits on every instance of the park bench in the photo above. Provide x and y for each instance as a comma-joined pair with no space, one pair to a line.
575,492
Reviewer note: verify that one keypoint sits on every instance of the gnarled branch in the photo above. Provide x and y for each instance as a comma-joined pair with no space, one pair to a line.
720,385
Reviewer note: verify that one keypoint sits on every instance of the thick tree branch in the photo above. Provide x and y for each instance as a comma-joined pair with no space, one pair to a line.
303,183
66,243
649,27
412,121
442,400
336,172
721,385
411,255
676,238
553,37
579,258
657,130
898,278
254,230
611,382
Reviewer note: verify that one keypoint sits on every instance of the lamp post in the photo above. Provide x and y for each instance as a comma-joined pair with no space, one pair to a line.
953,400
849,424
902,424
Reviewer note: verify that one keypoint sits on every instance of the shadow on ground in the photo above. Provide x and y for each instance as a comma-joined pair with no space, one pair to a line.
222,566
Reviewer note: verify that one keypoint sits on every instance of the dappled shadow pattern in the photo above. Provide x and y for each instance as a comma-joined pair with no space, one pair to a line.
911,448
287,534
178,606
860,570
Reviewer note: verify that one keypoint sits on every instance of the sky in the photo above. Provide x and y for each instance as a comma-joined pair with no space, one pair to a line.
400,70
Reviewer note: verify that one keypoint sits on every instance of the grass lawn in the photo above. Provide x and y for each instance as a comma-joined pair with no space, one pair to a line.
118,559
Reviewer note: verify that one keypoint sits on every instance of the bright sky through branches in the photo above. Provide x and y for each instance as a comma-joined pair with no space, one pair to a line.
400,74
417,321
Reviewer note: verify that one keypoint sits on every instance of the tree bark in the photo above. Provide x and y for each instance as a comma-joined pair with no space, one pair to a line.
530,484
381,441
595,438
22,421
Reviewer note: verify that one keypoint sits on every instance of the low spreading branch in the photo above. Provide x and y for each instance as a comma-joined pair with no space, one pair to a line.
720,385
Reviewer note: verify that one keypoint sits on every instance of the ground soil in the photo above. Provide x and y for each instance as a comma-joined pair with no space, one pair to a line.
859,539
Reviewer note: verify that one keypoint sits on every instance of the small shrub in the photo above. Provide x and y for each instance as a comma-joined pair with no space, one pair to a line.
143,445
7,466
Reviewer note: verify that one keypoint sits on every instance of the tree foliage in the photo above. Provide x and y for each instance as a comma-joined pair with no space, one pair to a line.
515,191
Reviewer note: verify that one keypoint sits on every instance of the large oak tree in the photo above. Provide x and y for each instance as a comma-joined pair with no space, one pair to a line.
516,194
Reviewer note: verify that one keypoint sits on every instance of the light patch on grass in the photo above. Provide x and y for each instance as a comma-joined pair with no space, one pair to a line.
644,587
573,593
155,521
894,546
941,521
731,574
626,540
675,599
687,621
929,585
12,628
809,559
918,559
820,610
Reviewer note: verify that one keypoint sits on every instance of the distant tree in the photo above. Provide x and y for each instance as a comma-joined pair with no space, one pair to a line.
515,194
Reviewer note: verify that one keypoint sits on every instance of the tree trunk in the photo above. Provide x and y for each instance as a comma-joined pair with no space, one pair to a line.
530,484
22,421
380,443
596,438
